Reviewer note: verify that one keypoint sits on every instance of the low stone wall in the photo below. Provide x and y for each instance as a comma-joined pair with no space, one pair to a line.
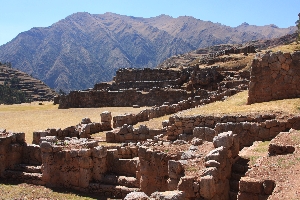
129,134
248,128
166,109
83,130
274,76
185,125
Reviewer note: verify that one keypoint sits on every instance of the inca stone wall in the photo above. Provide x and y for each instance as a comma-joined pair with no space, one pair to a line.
275,76
146,74
150,87
125,98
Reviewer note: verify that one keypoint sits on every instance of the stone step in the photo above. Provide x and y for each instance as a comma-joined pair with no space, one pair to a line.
111,191
28,168
130,182
234,185
32,178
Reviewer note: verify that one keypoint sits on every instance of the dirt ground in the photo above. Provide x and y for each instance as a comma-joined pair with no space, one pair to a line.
283,169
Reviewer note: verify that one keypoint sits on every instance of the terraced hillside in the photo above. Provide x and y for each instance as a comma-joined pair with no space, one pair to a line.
34,89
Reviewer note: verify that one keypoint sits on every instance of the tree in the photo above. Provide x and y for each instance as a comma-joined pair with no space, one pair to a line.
298,26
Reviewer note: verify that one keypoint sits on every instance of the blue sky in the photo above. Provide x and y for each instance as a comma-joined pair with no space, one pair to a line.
20,15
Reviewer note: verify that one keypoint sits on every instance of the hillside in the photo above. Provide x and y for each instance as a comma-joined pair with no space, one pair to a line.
19,87
82,49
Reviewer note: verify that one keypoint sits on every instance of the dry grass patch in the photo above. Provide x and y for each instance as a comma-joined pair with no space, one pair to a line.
237,104
28,191
290,48
155,123
32,117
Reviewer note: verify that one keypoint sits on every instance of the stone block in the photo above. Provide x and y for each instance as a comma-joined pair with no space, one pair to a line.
268,186
46,147
136,196
251,185
169,195
84,153
208,187
106,116
175,169
186,184
84,177
223,139
85,162
99,152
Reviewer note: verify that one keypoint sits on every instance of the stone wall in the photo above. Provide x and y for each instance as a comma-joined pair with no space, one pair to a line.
11,150
72,168
146,74
153,170
150,87
129,134
122,98
248,128
274,76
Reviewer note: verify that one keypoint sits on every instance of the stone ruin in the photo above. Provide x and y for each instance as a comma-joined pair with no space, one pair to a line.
153,87
205,163
189,157
274,76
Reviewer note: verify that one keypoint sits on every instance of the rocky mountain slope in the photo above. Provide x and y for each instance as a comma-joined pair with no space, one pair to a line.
83,49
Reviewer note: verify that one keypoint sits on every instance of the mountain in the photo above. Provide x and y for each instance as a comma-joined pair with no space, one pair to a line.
83,48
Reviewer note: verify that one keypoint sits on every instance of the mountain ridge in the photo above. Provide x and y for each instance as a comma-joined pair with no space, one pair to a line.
83,49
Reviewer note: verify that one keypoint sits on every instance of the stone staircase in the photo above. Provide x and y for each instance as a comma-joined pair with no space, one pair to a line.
120,179
25,173
238,170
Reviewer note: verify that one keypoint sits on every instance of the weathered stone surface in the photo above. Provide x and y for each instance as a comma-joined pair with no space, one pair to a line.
136,196
169,195
207,187
250,185
223,139
186,184
46,147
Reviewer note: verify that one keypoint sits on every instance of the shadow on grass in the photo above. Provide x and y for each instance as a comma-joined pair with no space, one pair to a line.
78,194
